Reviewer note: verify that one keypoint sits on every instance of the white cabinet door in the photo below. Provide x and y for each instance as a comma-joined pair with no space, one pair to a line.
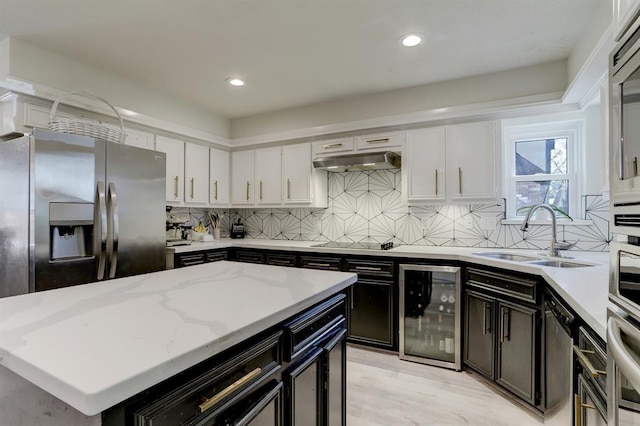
219,177
269,175
242,173
196,167
175,167
471,164
139,138
297,173
424,163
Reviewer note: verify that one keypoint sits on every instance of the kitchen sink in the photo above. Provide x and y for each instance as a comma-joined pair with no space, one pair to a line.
559,263
508,256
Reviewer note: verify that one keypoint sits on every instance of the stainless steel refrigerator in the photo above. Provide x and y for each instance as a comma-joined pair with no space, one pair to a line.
75,209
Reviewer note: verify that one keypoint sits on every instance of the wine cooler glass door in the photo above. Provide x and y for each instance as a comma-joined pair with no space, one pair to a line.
430,315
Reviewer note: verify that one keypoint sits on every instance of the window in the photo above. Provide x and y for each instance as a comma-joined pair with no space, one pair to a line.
542,164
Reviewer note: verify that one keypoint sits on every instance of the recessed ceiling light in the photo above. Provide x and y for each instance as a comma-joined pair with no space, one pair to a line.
411,40
235,82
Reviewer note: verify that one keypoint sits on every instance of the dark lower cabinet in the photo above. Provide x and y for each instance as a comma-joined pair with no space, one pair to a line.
517,348
503,320
371,312
181,260
478,332
316,385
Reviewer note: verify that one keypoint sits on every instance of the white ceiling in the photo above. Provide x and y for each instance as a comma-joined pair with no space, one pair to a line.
296,52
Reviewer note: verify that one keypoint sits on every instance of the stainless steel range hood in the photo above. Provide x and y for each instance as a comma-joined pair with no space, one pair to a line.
360,161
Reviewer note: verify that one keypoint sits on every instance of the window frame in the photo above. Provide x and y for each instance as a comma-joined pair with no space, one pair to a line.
573,131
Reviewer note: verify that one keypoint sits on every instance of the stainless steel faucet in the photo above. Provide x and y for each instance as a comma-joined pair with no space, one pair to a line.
555,245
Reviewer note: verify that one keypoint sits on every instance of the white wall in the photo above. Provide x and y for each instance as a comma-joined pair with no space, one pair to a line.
534,80
4,58
40,66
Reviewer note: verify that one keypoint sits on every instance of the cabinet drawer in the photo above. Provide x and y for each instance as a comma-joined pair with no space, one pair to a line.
321,148
281,259
326,263
369,267
311,326
381,140
215,256
516,287
213,392
592,357
189,259
249,256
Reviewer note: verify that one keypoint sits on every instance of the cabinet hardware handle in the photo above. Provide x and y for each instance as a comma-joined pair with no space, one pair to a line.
247,190
210,402
353,303
216,185
279,261
175,193
485,329
332,145
368,268
320,265
504,332
288,189
381,140
260,191
582,357
436,181
192,179
578,406
460,180
635,166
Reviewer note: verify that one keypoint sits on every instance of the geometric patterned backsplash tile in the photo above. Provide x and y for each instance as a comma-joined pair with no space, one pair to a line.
368,206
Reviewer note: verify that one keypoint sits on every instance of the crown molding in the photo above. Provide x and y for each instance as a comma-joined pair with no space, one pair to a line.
41,91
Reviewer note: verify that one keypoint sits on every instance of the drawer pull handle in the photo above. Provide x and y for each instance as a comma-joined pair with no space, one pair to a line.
381,140
460,180
505,325
288,189
582,357
368,268
280,261
320,265
216,185
332,145
210,402
635,166
578,406
192,184
485,329
436,181
175,193
261,184
247,190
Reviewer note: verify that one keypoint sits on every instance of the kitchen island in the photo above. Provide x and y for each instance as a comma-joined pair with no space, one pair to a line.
68,355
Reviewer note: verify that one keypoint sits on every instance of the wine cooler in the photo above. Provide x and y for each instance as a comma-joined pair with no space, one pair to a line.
430,315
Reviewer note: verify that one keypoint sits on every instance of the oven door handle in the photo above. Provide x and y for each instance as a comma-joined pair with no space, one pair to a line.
619,351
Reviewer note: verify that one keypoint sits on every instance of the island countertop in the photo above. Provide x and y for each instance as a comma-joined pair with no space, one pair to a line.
95,345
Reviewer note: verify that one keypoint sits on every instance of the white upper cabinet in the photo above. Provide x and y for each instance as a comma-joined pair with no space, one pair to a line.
268,175
296,173
391,141
196,178
328,147
623,13
139,138
471,154
175,167
242,177
219,177
453,163
424,165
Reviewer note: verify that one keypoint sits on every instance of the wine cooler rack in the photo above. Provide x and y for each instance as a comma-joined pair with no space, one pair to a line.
430,315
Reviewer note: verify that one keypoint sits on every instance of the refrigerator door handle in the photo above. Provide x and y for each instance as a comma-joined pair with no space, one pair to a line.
112,249
101,231
620,354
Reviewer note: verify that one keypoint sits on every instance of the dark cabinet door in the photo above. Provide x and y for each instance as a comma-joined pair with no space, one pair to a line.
304,391
371,312
188,259
335,380
517,348
479,331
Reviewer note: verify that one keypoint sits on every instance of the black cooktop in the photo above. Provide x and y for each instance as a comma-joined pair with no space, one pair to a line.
352,245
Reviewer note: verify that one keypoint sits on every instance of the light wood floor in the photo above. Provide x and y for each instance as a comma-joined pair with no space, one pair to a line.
383,390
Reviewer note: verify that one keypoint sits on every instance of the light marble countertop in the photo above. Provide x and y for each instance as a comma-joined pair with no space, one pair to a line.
584,289
95,345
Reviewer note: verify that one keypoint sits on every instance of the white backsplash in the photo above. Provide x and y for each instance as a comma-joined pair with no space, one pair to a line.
368,206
